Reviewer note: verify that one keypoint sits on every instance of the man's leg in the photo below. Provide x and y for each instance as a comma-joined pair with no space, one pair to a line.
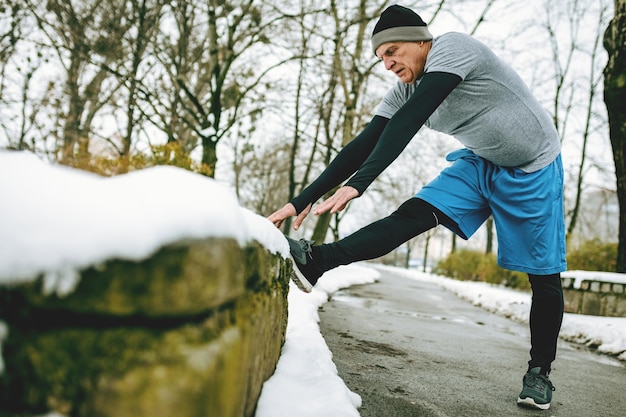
413,217
546,315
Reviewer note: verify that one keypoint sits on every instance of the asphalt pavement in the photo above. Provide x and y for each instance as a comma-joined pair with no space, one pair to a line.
412,349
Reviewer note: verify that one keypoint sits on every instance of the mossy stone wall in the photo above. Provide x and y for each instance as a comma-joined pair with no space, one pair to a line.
194,330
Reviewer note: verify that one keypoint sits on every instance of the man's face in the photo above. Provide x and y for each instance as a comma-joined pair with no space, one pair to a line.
405,59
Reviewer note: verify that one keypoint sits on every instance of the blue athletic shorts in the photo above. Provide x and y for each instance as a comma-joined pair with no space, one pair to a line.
527,209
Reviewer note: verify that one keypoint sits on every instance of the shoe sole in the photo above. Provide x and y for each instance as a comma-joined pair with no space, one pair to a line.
530,403
298,278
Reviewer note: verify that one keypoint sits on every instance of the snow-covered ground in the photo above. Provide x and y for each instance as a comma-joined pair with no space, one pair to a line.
55,221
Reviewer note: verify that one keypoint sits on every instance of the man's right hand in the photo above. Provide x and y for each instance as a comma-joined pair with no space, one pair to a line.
289,210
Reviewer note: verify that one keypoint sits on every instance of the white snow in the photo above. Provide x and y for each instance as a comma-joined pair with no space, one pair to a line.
56,220
580,276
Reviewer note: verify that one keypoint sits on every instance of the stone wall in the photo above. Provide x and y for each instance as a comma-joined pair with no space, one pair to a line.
194,330
593,297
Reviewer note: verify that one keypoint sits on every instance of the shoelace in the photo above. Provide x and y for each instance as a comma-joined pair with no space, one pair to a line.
539,382
307,247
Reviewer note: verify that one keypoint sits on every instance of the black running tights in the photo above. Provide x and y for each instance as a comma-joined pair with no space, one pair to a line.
412,218
546,315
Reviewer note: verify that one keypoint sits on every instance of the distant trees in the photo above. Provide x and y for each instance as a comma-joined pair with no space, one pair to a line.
105,77
577,81
86,40
264,94
214,56
343,109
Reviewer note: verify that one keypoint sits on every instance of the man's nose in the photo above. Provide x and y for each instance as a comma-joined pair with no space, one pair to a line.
388,63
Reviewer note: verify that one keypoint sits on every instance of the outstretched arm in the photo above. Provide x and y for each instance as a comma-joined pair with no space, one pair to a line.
347,161
371,152
432,90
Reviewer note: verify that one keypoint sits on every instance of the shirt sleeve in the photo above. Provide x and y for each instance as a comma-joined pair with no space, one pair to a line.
454,53
431,91
393,100
346,163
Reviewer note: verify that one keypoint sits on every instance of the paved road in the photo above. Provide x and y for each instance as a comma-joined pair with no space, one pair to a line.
410,348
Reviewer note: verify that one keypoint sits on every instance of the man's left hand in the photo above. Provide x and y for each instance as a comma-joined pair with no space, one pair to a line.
337,201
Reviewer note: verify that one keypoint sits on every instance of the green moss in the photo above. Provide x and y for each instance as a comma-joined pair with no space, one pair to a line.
153,364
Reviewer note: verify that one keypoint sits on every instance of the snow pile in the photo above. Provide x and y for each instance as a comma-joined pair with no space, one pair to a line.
56,220
306,383
580,276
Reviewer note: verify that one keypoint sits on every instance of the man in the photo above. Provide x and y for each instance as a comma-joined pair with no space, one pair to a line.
510,168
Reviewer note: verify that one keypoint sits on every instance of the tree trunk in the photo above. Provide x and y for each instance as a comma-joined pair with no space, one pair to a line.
407,256
489,248
209,155
592,85
615,99
321,228
426,246
349,77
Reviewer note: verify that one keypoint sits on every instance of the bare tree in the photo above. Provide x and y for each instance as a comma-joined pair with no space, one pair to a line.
86,39
576,90
341,107
562,61
20,61
144,17
615,97
593,82
28,105
214,61
11,17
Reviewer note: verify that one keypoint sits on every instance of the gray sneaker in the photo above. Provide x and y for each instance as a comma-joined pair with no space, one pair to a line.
537,390
305,272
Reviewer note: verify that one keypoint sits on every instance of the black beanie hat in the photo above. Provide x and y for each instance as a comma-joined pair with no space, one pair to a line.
398,24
